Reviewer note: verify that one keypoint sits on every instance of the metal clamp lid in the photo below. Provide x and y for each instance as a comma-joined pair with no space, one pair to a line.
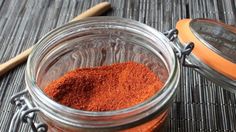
214,49
26,113
182,53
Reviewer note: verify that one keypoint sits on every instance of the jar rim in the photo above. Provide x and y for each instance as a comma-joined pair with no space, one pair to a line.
168,89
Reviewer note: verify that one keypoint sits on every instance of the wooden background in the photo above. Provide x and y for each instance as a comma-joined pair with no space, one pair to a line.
200,105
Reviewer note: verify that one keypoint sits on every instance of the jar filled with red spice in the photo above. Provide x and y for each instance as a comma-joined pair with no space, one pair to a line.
101,42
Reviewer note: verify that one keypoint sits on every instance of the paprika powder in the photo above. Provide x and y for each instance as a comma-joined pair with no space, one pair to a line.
105,88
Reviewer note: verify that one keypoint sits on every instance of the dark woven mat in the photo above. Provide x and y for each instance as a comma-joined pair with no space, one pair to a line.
200,105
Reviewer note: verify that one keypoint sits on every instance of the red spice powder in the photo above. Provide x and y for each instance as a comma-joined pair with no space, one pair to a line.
105,88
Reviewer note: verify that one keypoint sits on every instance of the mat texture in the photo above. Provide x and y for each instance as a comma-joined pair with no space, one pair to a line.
200,105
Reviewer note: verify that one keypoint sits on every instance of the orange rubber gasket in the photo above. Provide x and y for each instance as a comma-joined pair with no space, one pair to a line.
206,55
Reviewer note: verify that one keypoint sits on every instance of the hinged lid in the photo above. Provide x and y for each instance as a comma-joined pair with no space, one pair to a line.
215,48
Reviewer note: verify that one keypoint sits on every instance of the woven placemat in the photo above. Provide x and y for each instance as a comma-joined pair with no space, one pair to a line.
200,105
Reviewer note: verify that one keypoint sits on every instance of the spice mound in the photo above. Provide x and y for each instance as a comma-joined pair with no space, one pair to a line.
105,88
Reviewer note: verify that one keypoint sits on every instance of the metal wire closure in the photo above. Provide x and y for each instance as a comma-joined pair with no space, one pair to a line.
25,113
171,34
181,53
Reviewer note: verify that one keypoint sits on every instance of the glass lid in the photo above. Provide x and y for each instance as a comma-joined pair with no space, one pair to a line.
218,37
214,49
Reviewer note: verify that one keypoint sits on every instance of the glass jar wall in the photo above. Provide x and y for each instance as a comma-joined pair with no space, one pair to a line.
95,42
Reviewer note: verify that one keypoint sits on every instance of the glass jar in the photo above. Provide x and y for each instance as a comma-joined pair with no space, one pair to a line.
95,42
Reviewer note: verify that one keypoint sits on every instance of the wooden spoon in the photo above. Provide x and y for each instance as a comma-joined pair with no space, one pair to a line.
22,57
